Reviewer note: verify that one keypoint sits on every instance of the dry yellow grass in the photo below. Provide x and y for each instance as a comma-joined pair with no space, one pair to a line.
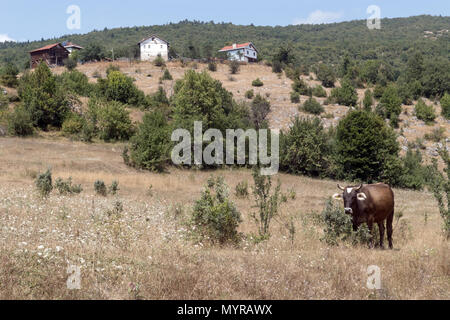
143,252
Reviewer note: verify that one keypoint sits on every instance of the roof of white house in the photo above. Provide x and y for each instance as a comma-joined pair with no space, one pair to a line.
238,46
152,37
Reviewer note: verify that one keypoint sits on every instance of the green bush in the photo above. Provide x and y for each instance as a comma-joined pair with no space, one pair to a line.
159,61
424,112
44,97
73,124
364,144
390,103
445,105
312,106
19,122
301,87
249,94
234,67
112,68
70,64
8,76
295,97
212,66
76,82
368,100
100,188
260,108
319,91
118,87
326,74
65,187
214,216
167,75
346,94
114,188
305,148
150,147
257,83
242,189
44,183
111,119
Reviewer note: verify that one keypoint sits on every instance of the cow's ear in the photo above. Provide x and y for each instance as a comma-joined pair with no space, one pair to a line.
361,196
337,196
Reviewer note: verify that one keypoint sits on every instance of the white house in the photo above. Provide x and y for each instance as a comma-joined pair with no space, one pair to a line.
153,46
71,47
245,52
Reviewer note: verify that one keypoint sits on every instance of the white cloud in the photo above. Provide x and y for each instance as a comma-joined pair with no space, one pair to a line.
319,16
5,37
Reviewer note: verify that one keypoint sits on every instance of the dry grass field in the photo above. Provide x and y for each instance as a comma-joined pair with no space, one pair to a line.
143,252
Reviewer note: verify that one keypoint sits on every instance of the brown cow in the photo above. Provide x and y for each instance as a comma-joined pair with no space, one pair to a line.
371,203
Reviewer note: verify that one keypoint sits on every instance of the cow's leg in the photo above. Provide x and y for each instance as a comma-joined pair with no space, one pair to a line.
381,229
370,226
389,220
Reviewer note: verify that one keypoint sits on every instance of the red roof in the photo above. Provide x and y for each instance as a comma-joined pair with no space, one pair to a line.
48,47
238,46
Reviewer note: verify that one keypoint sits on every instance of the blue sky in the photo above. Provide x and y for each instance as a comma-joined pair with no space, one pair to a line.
22,20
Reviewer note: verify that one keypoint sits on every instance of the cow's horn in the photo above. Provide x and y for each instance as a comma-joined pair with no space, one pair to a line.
360,186
339,186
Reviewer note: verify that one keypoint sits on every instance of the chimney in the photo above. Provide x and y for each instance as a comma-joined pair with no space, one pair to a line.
234,45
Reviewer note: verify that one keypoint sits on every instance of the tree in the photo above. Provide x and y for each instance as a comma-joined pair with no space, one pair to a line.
364,144
424,112
312,106
326,74
305,148
415,67
390,103
260,108
368,100
92,52
44,97
445,105
150,147
346,94
70,64
8,75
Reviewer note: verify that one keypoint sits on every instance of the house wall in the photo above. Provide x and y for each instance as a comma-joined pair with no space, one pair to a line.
151,48
53,57
243,54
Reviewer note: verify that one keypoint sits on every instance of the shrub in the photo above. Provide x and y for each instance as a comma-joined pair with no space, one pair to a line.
319,91
100,188
214,216
305,149
76,82
112,68
346,94
8,76
445,105
424,112
70,64
234,67
436,135
242,189
118,87
149,148
257,83
212,66
277,67
312,106
65,187
390,103
44,97
111,119
19,122
326,75
301,87
266,203
364,144
249,94
44,183
114,188
167,75
260,108
159,61
73,125
295,97
368,100
378,91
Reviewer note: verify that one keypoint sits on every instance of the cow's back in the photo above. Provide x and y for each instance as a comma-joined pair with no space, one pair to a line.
381,199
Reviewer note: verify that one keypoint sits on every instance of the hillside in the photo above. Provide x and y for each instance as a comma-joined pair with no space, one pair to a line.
310,43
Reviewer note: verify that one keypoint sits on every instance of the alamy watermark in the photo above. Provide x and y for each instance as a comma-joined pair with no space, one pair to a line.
374,20
74,279
74,20
373,277
214,154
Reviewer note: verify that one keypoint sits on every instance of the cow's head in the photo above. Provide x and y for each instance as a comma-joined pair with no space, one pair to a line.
350,195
